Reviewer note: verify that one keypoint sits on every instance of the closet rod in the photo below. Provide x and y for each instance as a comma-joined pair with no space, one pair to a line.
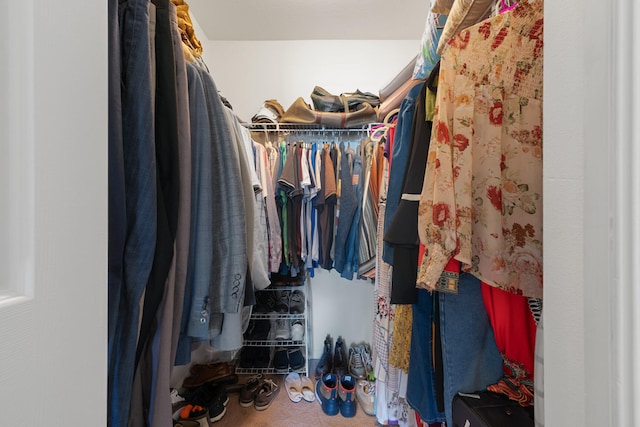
292,127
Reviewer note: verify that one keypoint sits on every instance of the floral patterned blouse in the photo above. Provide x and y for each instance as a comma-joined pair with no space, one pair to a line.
481,201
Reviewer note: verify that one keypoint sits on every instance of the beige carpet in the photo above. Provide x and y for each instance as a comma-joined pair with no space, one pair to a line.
284,413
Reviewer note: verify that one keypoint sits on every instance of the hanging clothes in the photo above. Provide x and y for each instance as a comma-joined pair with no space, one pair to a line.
138,149
481,201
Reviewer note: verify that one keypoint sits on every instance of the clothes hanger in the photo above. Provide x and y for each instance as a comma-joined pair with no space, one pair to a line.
504,7
390,115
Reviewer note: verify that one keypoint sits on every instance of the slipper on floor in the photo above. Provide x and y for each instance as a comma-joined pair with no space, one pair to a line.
307,387
293,385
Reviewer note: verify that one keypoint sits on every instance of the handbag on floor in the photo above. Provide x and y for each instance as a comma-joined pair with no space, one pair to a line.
488,409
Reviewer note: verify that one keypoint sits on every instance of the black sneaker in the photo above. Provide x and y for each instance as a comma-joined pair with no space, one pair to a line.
324,365
281,360
208,394
258,330
296,359
340,359
262,357
248,357
265,302
214,397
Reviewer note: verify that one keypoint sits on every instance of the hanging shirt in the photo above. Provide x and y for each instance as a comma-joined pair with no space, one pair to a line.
481,201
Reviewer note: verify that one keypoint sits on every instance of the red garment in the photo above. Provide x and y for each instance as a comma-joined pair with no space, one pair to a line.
514,330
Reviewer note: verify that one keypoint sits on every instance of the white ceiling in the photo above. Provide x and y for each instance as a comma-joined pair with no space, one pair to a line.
311,19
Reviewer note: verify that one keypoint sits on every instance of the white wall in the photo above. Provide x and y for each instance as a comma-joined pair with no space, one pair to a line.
340,308
248,73
579,212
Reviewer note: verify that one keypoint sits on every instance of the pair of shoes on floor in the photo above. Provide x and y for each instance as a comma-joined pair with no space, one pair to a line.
289,329
203,405
337,394
259,392
290,302
299,387
332,361
221,372
288,358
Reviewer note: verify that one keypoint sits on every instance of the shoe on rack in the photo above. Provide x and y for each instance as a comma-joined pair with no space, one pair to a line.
296,358
340,358
356,364
281,360
282,301
297,280
278,279
262,357
327,394
249,390
297,330
366,395
347,396
247,357
296,302
283,332
306,386
265,302
258,330
325,364
294,386
267,393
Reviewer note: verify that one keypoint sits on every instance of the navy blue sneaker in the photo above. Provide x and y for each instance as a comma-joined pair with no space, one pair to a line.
347,396
327,394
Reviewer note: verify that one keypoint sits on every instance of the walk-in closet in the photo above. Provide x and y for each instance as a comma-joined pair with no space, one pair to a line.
253,214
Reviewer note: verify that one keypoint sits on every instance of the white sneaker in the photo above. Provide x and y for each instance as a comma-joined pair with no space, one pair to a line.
297,330
282,330
366,395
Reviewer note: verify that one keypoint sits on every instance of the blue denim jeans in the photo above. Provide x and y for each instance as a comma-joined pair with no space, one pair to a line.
348,206
399,160
353,240
470,357
421,392
140,196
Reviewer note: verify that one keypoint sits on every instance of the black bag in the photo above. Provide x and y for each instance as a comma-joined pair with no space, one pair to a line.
488,409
